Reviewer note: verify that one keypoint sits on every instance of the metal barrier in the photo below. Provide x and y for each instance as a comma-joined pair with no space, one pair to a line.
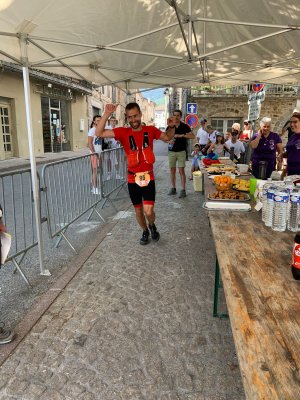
70,192
18,214
70,188
113,171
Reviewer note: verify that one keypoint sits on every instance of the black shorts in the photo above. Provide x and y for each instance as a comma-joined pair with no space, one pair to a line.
140,195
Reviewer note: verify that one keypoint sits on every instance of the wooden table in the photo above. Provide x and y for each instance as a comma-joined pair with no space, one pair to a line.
263,302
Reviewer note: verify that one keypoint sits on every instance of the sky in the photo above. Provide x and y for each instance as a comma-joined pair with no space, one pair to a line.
154,94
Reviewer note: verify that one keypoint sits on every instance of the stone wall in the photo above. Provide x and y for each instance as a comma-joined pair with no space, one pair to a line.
276,107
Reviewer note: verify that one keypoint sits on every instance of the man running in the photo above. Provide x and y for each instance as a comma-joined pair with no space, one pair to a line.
137,141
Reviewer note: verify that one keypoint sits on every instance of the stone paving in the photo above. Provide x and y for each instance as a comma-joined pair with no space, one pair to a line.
136,321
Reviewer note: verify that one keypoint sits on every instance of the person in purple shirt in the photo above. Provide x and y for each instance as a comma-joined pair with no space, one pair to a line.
265,145
293,146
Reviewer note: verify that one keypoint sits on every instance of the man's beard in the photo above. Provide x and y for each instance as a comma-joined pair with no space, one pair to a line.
138,125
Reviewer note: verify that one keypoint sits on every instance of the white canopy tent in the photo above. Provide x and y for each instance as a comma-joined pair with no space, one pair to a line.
147,43
151,43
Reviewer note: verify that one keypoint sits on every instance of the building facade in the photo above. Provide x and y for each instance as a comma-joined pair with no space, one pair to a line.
62,111
224,107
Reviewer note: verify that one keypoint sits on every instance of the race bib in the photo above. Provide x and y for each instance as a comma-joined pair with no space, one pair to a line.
142,178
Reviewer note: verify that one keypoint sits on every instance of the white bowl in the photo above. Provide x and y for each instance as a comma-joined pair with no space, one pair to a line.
242,167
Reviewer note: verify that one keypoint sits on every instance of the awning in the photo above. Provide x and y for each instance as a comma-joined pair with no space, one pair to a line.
147,43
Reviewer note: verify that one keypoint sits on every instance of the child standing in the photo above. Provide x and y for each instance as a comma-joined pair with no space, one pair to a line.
219,147
196,154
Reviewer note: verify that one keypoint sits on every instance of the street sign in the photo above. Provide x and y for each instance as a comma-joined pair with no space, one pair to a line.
191,120
254,102
191,108
257,87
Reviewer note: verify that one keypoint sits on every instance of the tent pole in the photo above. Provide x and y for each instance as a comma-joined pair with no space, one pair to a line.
35,187
190,27
127,92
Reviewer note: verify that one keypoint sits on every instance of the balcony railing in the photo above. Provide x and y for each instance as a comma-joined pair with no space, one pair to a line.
243,90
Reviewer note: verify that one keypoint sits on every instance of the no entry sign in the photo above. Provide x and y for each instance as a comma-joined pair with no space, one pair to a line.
192,120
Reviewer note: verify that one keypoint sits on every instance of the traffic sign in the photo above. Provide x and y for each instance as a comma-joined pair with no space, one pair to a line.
191,108
254,102
191,120
254,111
257,87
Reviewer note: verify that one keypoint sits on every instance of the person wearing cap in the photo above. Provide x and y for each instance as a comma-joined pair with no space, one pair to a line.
235,142
196,154
202,135
219,147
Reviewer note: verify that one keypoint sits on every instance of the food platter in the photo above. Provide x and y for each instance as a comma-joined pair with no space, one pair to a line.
226,206
239,190
247,198
243,173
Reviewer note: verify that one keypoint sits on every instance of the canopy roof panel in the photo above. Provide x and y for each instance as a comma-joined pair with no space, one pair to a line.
138,43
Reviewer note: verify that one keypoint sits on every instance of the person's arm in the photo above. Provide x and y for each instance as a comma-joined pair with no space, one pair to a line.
254,142
211,148
190,135
242,148
100,128
226,148
279,149
170,131
91,143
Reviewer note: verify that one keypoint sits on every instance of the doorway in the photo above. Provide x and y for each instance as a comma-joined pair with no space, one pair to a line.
55,125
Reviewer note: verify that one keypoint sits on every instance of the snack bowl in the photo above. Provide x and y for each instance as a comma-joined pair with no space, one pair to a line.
242,167
223,186
223,182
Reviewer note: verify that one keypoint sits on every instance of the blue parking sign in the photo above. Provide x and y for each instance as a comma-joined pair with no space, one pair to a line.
191,108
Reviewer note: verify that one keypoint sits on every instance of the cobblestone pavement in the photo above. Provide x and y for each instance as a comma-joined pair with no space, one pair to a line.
136,321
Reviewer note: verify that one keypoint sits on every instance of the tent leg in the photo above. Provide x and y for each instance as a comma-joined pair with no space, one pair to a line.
35,188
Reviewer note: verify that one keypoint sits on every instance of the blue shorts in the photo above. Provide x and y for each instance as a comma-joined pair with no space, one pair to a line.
195,163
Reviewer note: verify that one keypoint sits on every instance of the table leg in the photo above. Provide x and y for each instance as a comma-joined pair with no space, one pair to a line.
218,285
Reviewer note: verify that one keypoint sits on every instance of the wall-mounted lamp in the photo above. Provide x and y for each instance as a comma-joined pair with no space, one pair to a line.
69,90
49,85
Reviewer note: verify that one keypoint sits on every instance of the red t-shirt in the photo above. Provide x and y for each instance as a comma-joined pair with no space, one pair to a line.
122,135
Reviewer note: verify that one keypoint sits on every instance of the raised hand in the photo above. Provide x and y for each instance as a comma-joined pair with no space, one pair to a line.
171,122
110,108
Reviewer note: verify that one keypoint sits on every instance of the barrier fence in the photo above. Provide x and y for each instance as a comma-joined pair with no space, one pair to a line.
74,186
68,189
18,214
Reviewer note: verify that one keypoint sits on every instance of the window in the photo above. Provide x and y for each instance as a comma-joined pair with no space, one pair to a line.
6,128
222,124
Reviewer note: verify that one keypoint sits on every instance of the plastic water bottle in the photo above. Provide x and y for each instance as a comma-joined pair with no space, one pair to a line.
265,188
294,211
280,212
268,216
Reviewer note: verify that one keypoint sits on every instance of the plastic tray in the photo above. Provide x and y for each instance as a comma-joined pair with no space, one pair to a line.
247,198
239,190
226,206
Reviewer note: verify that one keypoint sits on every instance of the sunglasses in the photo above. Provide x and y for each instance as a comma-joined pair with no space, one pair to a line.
246,123
234,133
